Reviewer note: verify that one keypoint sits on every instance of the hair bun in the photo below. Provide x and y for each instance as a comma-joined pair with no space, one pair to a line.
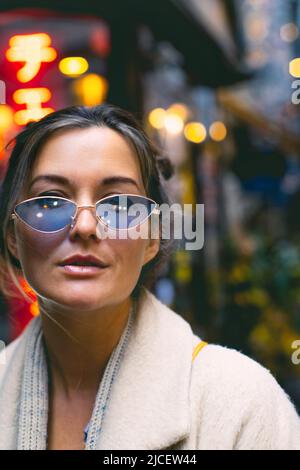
166,167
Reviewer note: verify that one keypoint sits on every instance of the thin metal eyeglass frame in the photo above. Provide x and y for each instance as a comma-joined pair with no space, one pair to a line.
155,210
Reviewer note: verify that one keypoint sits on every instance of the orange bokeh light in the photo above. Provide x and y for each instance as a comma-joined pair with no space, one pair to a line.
34,307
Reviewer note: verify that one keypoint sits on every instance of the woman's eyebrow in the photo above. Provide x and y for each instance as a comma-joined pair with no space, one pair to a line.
51,179
109,180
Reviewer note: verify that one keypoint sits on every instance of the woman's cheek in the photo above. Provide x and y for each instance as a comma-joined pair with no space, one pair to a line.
129,259
36,252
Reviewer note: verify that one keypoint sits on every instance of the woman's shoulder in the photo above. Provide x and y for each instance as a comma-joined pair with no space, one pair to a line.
6,355
228,363
215,368
12,352
245,397
233,372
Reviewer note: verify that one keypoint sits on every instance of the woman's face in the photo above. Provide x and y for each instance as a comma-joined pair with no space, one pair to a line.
84,157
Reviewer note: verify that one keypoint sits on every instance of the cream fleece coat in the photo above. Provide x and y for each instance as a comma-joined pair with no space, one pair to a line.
161,399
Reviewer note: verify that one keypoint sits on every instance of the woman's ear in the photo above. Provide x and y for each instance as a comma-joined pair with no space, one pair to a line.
151,250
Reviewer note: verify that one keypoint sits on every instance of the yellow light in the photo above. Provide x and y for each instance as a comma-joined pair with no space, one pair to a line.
91,89
157,118
33,49
31,96
173,123
289,32
33,99
295,67
6,117
34,309
195,132
180,110
218,131
73,66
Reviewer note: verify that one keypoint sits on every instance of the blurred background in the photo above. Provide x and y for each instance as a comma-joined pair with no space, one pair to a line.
217,86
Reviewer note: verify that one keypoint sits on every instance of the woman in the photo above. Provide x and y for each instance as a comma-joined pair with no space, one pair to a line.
106,365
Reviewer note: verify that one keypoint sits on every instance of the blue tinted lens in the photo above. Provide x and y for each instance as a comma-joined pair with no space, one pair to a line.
46,214
124,211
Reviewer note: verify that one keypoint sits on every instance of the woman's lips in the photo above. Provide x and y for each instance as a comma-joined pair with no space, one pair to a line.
82,270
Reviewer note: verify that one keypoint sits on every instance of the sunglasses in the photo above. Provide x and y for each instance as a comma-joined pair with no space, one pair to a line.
50,214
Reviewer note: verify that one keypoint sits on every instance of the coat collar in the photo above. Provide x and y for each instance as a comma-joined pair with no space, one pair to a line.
149,402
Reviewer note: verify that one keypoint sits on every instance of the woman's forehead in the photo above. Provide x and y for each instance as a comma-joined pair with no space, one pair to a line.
93,154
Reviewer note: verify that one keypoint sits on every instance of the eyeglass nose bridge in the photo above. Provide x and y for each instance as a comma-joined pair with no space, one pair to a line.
77,211
155,211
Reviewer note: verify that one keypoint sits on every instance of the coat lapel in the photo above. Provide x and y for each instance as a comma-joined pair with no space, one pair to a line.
149,402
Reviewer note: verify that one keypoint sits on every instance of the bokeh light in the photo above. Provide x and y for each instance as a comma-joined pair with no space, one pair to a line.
173,123
195,132
218,131
6,117
156,118
295,67
73,66
91,89
289,32
180,110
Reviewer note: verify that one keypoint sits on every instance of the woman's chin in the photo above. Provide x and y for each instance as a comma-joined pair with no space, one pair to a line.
75,302
84,302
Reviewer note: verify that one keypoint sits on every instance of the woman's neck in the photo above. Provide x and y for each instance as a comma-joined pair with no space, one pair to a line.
79,347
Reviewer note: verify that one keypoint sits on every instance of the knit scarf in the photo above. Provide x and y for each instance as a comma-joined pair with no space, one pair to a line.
33,412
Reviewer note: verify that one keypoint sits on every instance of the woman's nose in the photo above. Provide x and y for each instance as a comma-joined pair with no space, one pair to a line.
85,222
